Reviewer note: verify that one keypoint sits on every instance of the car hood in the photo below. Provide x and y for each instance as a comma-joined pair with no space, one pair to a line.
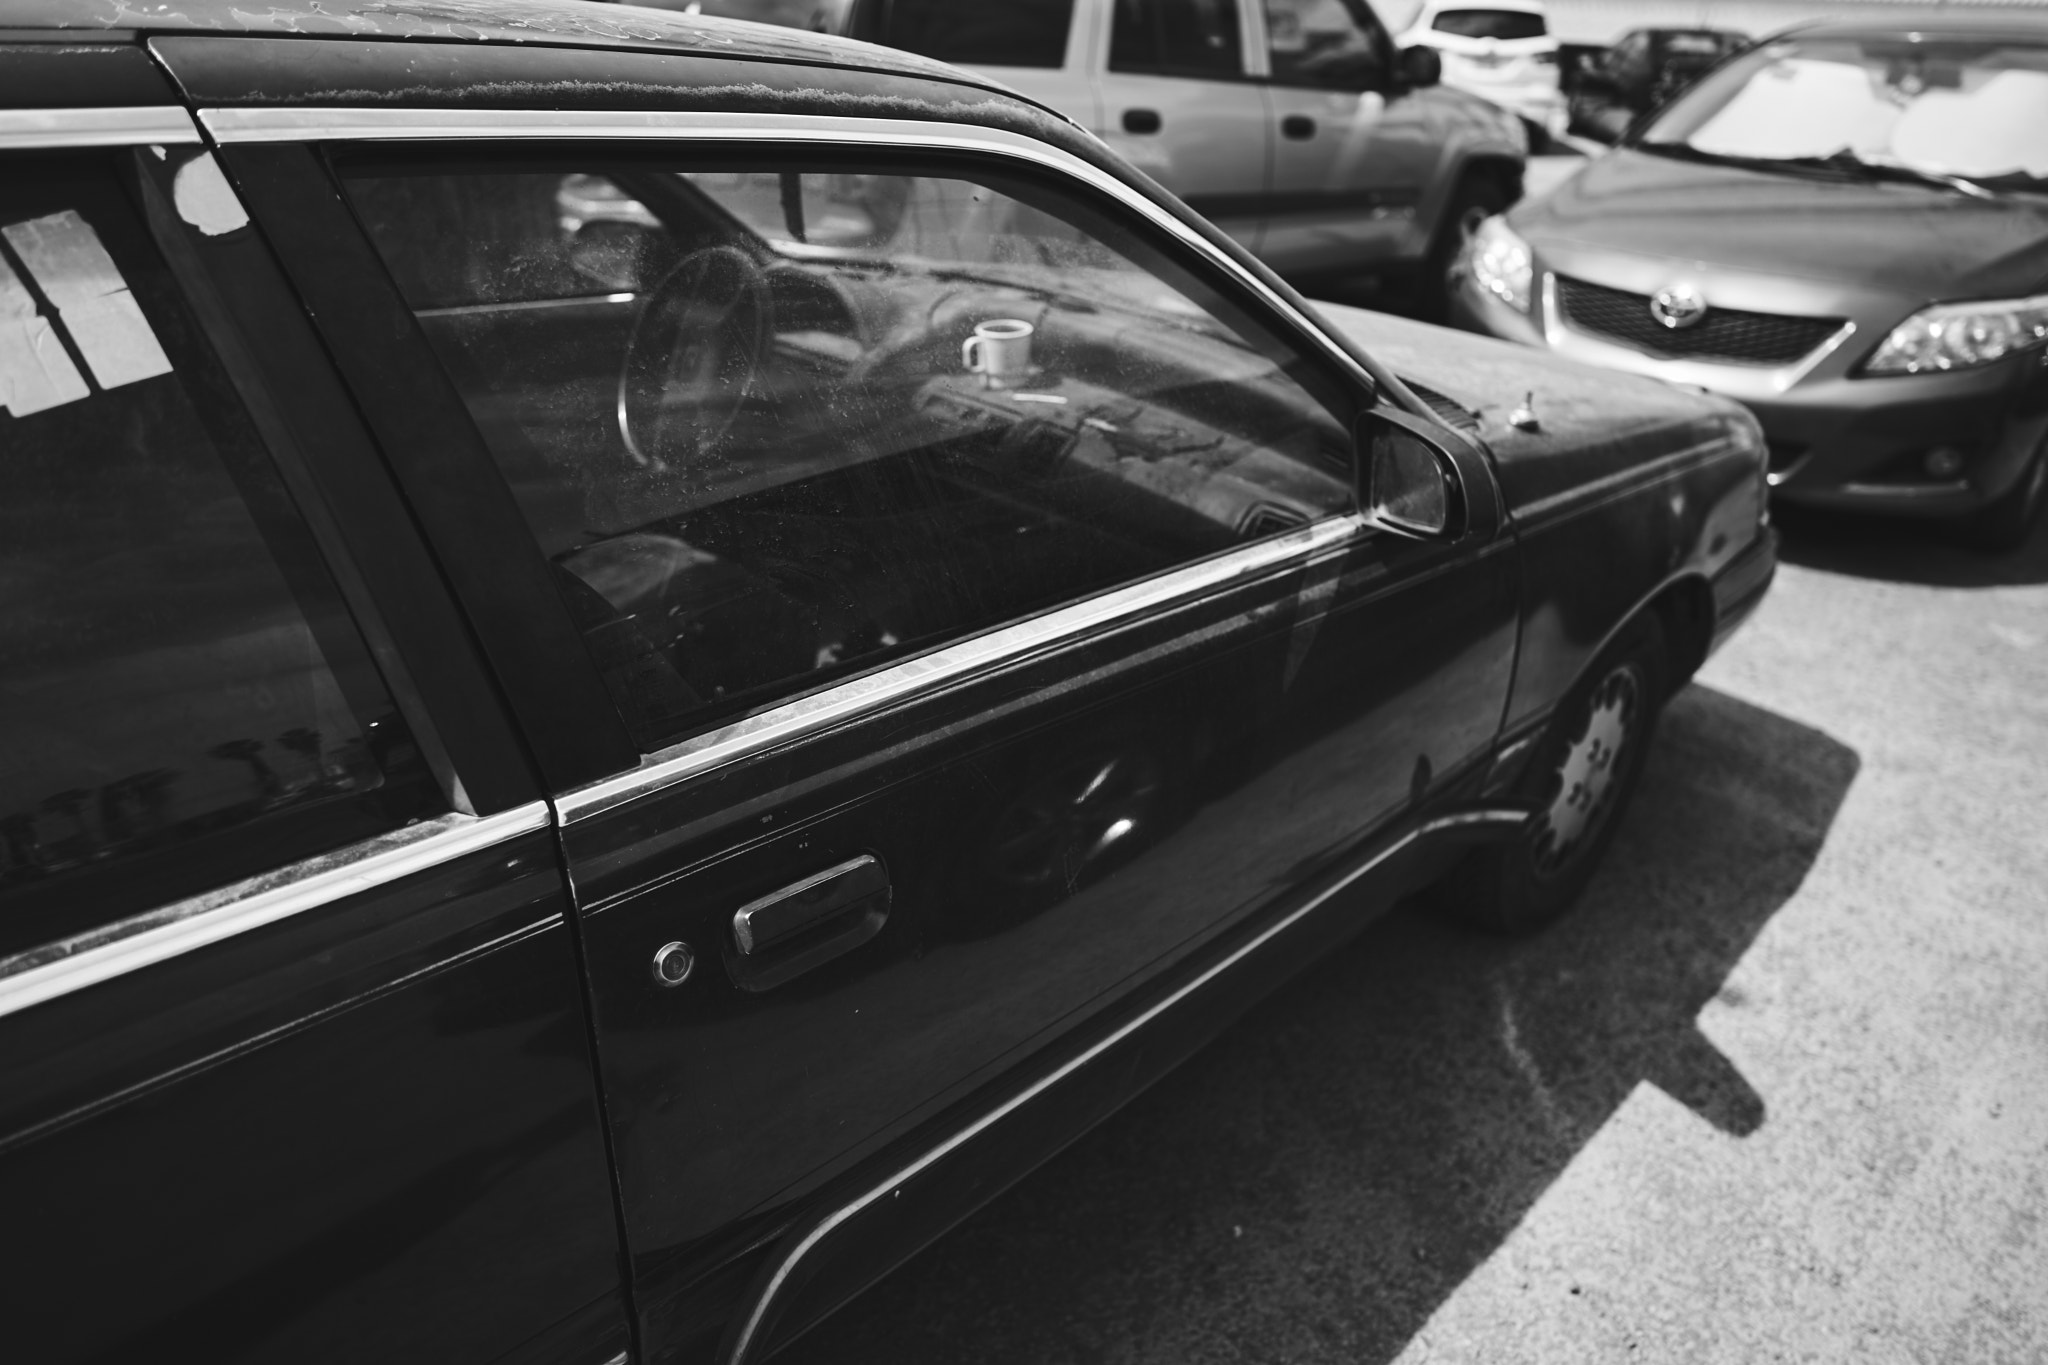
1897,239
1590,423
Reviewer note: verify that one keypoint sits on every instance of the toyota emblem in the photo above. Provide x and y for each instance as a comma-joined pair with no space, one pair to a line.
1678,305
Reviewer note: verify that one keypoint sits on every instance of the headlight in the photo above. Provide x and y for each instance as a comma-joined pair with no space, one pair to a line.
1961,336
1501,263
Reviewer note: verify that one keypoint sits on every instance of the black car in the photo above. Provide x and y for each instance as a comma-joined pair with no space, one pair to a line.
644,657
1846,228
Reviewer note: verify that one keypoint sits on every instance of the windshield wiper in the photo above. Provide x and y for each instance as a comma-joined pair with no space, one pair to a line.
1843,163
1846,160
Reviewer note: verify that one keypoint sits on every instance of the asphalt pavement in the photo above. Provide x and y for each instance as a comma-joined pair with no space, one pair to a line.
1776,1091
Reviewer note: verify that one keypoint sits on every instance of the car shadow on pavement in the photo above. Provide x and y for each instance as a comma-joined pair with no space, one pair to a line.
1317,1182
1905,550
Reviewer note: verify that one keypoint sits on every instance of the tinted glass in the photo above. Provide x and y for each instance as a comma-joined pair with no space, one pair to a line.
1504,24
1012,33
187,701
1332,44
789,422
1176,37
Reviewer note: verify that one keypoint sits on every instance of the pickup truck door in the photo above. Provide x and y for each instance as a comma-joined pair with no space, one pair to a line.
1176,99
1348,164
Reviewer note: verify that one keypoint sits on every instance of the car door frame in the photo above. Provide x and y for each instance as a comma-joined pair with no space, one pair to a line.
274,154
582,749
265,975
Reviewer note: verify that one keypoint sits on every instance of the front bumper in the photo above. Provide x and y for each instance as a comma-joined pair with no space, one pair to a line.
1837,440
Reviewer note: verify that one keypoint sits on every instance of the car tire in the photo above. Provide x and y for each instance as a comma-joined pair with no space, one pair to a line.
1477,197
1581,778
2004,525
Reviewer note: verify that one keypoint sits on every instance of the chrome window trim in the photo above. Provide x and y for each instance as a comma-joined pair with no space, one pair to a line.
806,715
140,125
38,974
1460,820
351,124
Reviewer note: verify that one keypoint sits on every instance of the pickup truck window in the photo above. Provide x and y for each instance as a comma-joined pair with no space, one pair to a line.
797,421
1176,38
1327,44
188,701
1011,33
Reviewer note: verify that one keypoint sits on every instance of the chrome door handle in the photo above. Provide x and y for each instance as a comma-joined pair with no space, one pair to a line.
786,933
1299,127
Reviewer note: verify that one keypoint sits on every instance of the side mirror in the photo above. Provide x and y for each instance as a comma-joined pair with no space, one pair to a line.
1420,66
1407,482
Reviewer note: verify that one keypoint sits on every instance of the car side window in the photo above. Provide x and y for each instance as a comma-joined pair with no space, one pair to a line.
1197,38
1327,44
799,420
188,701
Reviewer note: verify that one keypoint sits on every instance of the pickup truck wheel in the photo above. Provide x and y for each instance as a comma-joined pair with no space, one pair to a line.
1581,777
1476,198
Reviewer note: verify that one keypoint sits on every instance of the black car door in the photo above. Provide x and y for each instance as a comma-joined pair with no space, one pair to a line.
950,688
293,1063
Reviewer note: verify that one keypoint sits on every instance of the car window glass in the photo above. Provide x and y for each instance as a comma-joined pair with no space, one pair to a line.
1176,38
1503,24
806,420
1951,107
1331,44
1013,33
187,700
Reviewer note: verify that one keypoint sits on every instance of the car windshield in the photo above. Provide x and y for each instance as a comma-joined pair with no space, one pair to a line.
1504,24
1967,115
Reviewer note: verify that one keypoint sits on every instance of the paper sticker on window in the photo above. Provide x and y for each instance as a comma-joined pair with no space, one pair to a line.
64,255
35,370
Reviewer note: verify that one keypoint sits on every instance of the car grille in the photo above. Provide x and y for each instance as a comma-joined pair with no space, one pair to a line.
1723,334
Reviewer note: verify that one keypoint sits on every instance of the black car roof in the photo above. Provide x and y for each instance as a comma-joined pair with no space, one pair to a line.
553,23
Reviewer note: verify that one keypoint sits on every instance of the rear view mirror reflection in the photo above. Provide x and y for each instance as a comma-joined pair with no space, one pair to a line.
1408,483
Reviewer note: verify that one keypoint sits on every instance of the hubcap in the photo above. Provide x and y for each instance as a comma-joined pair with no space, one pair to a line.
1582,785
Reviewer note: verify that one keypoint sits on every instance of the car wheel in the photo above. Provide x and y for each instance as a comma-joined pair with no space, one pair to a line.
1476,198
1581,777
2004,525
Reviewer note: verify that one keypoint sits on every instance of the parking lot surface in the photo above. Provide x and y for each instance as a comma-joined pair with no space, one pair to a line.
1777,1090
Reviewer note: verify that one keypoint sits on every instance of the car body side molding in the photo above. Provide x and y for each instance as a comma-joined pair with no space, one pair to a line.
21,129
38,974
806,715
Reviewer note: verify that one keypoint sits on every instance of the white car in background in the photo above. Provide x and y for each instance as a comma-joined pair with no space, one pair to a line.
1500,49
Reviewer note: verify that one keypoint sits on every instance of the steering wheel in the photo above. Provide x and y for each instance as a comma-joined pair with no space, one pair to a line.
693,357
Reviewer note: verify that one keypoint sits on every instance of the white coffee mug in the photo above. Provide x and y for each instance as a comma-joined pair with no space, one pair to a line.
999,351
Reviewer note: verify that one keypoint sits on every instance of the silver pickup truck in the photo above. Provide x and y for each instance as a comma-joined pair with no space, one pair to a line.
1294,125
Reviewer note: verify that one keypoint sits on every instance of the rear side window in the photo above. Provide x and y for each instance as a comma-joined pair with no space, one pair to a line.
795,420
187,700
1011,33
1504,24
1176,38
